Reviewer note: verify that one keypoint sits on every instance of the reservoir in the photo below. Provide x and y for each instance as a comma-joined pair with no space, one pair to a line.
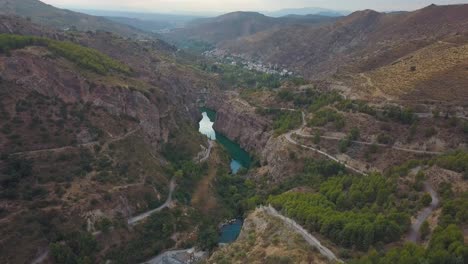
239,157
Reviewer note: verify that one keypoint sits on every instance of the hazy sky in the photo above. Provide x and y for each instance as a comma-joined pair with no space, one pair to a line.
244,5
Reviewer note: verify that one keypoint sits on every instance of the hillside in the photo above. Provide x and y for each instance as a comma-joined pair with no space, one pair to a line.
44,14
298,139
231,26
363,41
85,121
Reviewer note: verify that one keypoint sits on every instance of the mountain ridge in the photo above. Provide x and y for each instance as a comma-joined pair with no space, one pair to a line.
63,19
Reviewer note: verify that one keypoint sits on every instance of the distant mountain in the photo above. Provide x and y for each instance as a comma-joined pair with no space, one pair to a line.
434,40
307,11
234,25
144,21
41,13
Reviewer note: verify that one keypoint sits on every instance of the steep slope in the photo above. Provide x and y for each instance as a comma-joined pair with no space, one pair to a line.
238,24
44,14
360,42
266,239
84,125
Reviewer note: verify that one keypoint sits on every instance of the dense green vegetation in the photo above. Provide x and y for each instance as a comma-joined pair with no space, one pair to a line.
446,244
351,211
84,57
445,247
283,120
325,116
187,175
456,161
455,211
234,192
238,76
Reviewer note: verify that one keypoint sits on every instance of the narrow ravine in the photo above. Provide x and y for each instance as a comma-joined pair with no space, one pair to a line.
239,157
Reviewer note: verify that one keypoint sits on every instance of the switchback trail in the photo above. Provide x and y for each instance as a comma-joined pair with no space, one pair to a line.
289,138
134,220
309,238
414,234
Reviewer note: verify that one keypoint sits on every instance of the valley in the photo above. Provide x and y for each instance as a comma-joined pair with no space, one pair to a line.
241,138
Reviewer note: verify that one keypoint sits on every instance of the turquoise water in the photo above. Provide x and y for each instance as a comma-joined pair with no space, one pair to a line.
230,232
240,157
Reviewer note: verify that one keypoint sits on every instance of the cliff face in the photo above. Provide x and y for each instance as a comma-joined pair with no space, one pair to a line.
33,73
237,120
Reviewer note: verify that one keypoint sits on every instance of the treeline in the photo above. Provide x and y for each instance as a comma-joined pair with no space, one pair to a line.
235,75
351,211
84,57
445,247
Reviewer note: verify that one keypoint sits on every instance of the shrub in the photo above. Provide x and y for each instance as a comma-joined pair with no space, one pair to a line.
465,127
384,139
426,199
402,115
343,145
326,116
354,134
424,230
6,129
430,132
317,137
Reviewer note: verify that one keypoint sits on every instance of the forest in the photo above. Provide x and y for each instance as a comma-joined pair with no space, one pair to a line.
351,211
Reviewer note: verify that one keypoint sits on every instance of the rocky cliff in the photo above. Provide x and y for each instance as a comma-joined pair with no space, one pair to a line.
237,120
156,93
33,73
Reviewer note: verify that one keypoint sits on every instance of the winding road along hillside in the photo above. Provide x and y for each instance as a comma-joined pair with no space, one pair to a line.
134,220
413,234
311,240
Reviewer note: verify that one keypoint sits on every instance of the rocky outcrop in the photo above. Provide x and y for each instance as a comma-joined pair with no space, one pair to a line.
276,159
237,120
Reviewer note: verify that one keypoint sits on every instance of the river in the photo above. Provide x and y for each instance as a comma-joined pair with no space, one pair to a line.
239,157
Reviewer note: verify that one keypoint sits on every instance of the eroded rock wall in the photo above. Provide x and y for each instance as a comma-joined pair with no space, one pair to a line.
238,121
